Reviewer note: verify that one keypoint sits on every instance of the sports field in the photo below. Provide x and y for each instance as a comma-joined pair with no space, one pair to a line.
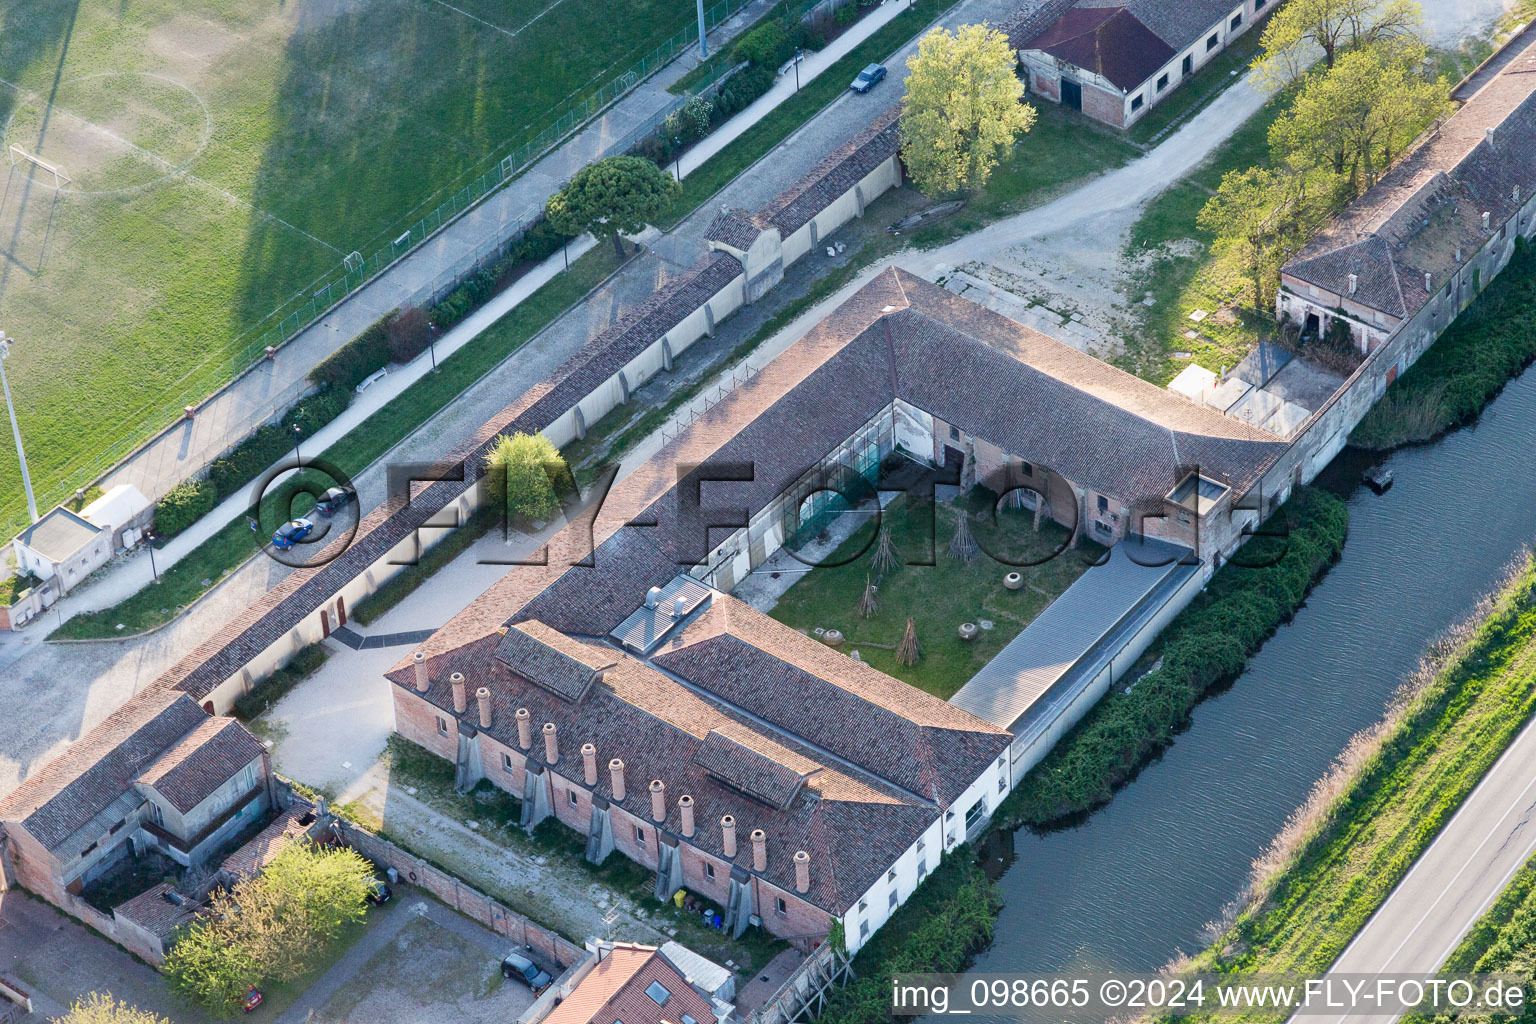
222,155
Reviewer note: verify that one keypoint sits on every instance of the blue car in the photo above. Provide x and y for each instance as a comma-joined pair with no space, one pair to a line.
292,533
868,78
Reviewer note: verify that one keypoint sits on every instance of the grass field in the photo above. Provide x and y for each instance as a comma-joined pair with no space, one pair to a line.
224,155
938,597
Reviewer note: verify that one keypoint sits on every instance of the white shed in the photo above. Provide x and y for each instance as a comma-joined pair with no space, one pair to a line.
121,511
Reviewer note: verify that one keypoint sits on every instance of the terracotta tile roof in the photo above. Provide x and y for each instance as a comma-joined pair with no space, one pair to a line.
285,829
735,228
614,992
553,660
1424,216
849,164
201,761
157,911
754,764
64,795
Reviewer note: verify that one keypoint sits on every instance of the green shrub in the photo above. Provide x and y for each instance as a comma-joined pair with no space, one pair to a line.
349,365
531,476
767,45
268,443
183,505
272,689
1208,643
408,333
846,15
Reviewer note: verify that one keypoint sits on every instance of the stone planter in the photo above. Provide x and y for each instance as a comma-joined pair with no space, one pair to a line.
968,631
832,638
1013,581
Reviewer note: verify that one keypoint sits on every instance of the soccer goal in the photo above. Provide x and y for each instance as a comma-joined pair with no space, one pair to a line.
59,177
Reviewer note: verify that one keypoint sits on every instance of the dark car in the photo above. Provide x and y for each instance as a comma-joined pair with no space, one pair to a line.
379,893
333,501
868,78
520,968
289,534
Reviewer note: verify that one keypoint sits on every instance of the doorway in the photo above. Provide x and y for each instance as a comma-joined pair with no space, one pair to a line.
1071,94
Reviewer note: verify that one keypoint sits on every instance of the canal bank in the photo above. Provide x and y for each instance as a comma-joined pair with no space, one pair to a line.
1135,884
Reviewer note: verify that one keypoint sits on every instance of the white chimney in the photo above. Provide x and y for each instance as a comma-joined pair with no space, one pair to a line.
653,597
524,728
483,695
685,812
1354,282
460,700
802,871
728,836
551,745
658,801
1486,217
616,777
1427,286
589,764
759,850
679,606
419,668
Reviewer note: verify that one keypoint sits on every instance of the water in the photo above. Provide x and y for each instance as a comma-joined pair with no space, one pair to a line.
1133,885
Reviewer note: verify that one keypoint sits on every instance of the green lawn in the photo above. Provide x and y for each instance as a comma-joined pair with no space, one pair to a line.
938,597
225,155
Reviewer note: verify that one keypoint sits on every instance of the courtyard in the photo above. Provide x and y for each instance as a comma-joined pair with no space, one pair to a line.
930,586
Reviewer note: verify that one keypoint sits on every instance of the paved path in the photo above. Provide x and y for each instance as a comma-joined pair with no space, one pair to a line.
1425,918
255,397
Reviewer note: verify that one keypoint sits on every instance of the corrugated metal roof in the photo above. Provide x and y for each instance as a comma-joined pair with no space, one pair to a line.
646,625
1087,611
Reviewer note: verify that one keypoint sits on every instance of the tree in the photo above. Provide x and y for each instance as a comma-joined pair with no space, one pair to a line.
209,963
104,1008
530,475
962,110
1356,118
613,196
1251,216
1330,25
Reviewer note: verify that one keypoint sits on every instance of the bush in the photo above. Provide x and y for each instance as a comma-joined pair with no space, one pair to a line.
184,505
408,333
268,443
767,45
349,365
273,688
846,15
1208,643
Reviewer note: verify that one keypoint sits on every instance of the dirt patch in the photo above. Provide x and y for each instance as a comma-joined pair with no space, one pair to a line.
194,39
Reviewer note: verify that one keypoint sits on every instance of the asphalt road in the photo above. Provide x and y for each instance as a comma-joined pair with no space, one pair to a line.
1456,879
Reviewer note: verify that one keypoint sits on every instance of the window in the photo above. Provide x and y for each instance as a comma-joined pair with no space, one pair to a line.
442,726
1162,82
1026,468
863,906
922,844
863,930
1103,503
1136,102
954,433
1237,19
1210,44
1258,5
922,868
156,815
893,900
890,876
709,871
1002,784
506,762
113,830
573,798
780,907
639,835
658,992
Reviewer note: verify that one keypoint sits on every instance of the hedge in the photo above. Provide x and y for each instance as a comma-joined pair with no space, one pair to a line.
537,244
1205,645
938,929
183,505
267,444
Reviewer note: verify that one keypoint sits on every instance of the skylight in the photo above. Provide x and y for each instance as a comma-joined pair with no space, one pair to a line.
658,993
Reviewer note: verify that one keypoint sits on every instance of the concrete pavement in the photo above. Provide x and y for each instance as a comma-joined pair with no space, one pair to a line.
1456,880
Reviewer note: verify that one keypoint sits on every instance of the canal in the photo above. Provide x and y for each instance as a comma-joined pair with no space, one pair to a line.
1134,884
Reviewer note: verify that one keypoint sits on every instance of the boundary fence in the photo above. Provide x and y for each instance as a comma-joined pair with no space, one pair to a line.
305,307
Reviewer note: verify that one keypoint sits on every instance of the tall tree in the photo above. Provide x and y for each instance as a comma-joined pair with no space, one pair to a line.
530,475
1300,28
105,1008
1254,218
613,196
962,109
1356,118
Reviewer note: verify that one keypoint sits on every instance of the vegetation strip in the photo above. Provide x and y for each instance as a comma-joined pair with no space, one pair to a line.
1394,788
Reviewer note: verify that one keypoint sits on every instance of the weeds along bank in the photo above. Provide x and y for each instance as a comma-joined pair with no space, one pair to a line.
1391,792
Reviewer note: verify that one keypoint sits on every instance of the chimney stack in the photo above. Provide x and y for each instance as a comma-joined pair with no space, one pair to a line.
658,801
589,764
551,745
1354,282
685,812
728,836
460,699
483,695
524,729
1426,281
419,667
1486,217
802,871
759,850
616,773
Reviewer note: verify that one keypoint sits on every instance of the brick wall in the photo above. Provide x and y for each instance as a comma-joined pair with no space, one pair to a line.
1103,105
418,721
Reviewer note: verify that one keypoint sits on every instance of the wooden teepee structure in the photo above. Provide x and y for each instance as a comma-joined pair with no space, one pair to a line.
908,651
962,545
885,560
869,603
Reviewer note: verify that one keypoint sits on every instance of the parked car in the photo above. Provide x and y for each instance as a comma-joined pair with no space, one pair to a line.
289,534
520,968
868,78
379,893
252,1000
333,501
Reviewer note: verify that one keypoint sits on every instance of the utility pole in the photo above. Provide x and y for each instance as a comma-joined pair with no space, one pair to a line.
26,478
703,46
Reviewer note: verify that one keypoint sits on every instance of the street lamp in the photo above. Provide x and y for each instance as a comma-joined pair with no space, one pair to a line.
432,344
298,432
26,478
149,540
